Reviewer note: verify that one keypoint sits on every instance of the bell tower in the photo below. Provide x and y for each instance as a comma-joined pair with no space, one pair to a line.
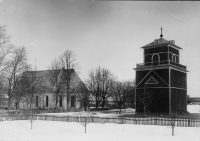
163,75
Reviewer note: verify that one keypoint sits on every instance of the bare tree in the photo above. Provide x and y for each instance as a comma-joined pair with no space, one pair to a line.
5,48
131,95
33,85
15,67
107,79
2,87
99,84
69,62
55,79
145,98
84,119
19,90
94,87
121,92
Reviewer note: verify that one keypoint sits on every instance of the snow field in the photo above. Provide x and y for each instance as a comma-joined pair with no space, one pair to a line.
193,108
73,131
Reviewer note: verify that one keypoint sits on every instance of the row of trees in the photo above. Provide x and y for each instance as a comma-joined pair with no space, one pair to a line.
18,80
13,64
102,84
13,61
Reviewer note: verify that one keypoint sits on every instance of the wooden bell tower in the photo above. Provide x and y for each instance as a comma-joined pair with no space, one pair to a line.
163,75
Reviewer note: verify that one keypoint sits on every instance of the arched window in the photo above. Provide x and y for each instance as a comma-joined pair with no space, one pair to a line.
16,105
47,101
155,59
72,101
174,58
60,101
36,100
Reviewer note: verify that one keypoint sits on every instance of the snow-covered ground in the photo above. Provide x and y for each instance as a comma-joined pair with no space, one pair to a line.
112,113
72,131
108,113
193,108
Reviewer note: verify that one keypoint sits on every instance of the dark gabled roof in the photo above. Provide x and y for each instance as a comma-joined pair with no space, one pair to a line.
76,81
193,99
160,42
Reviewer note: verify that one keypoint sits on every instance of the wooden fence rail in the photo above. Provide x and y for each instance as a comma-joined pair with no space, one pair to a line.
141,121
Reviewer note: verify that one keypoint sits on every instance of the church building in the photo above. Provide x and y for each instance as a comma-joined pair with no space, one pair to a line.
162,76
44,95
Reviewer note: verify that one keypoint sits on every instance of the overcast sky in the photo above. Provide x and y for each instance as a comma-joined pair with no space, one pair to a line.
107,34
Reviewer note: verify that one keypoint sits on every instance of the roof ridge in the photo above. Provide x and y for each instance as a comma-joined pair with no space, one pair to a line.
160,41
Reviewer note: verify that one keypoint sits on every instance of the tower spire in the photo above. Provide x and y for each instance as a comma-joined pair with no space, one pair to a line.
161,33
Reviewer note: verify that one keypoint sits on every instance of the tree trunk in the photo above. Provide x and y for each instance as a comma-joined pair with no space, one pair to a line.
9,104
27,105
30,105
68,96
56,106
68,103
144,109
103,102
120,108
97,104
0,101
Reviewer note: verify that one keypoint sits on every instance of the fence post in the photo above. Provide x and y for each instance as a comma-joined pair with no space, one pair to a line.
155,121
122,121
196,122
45,117
188,122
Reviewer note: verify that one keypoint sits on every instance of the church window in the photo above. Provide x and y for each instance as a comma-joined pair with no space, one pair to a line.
47,101
60,101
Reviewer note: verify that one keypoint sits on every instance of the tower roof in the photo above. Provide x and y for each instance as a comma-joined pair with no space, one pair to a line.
160,42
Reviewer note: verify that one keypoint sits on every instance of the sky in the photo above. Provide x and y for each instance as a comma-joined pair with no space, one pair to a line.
106,34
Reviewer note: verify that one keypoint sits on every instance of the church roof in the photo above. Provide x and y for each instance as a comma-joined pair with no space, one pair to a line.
48,75
160,42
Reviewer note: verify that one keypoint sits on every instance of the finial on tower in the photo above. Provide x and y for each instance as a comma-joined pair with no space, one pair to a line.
161,33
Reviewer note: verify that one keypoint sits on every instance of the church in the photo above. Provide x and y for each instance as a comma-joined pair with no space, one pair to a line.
163,77
46,97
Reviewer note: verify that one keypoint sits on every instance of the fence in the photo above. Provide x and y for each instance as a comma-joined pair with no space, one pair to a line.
180,122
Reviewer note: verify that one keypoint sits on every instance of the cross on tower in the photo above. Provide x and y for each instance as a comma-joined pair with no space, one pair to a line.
161,33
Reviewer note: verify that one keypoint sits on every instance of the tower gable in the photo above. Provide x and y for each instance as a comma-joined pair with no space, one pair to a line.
152,79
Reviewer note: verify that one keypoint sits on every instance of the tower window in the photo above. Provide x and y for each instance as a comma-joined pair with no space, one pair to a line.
155,59
174,58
